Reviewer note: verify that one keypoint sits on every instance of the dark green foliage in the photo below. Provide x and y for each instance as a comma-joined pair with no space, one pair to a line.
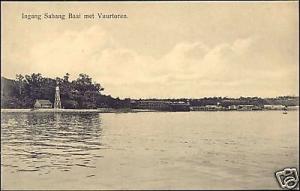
70,104
22,92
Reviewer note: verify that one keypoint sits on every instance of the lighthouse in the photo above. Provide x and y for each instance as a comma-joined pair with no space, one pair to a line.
57,102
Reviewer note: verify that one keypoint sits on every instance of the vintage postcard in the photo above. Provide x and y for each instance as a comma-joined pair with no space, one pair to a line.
149,95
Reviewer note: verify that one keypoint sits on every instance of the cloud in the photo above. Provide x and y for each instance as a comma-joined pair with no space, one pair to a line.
189,69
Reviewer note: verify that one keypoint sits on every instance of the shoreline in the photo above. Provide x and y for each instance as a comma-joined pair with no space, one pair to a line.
111,110
100,110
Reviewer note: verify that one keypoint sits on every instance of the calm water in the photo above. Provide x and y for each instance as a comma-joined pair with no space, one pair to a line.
193,150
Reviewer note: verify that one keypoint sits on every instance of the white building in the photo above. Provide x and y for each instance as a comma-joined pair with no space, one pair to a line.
274,107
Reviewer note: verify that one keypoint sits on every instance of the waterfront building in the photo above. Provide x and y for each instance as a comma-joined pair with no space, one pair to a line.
274,107
213,107
232,107
42,103
197,108
245,107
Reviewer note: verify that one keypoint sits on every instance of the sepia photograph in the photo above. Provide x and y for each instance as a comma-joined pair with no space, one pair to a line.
151,95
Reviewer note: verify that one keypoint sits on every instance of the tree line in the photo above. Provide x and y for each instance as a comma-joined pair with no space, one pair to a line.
81,93
227,101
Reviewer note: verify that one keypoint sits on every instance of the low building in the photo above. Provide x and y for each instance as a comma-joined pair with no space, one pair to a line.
211,107
42,103
197,108
207,108
245,107
214,107
274,107
232,107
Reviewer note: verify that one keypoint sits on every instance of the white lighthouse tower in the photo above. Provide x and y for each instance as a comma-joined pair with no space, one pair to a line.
57,102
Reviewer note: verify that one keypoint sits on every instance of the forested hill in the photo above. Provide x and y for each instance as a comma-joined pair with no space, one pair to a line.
80,93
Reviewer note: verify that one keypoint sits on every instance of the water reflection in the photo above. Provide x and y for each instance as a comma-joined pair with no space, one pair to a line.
50,141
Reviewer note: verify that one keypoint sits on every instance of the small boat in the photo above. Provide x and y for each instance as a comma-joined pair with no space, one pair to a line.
285,110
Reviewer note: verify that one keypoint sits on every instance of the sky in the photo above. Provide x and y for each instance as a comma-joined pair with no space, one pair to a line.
162,50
